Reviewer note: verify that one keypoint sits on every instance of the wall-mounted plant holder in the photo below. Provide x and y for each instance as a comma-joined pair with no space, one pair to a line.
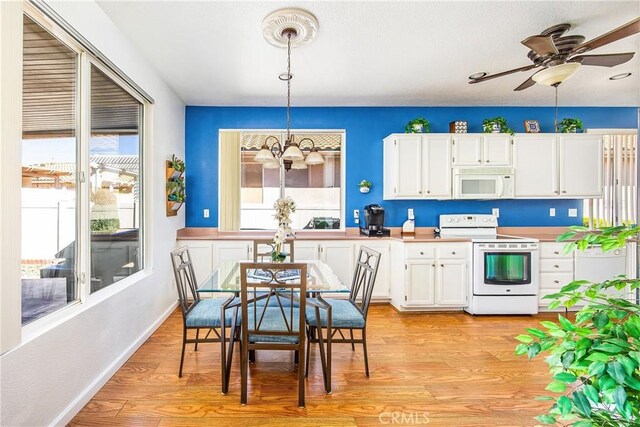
176,194
365,186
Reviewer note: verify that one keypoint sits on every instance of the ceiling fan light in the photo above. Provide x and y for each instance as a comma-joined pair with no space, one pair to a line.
264,155
293,152
314,158
298,164
556,74
620,76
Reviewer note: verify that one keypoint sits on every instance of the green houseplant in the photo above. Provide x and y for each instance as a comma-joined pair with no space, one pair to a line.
417,125
568,125
365,186
177,192
177,163
594,359
496,124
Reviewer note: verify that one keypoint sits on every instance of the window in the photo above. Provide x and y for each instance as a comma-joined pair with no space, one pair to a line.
317,190
63,171
619,203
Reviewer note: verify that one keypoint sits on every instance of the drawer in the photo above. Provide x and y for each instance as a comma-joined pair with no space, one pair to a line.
554,280
553,265
418,251
554,250
451,252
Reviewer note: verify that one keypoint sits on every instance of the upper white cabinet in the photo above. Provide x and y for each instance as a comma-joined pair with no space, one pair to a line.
558,165
580,165
417,166
481,149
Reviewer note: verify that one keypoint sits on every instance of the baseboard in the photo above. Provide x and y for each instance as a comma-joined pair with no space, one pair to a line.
83,398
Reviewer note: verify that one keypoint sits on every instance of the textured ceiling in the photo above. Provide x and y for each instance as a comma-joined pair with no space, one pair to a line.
374,53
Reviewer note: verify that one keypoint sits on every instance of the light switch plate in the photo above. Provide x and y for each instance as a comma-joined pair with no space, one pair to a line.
495,212
356,216
206,213
552,211
410,213
573,213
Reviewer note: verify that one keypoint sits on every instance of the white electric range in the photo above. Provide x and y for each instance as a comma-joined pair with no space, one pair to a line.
504,269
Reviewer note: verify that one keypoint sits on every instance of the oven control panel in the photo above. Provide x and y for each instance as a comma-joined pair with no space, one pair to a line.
468,221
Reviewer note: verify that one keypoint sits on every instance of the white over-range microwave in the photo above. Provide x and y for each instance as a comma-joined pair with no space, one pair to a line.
483,183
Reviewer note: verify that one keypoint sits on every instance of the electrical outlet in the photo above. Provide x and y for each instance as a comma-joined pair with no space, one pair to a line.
410,213
573,213
552,211
206,213
496,212
356,216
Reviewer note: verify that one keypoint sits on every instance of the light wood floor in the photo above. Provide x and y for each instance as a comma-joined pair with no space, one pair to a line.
448,369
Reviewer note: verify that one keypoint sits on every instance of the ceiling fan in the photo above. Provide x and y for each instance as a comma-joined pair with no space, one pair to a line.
560,56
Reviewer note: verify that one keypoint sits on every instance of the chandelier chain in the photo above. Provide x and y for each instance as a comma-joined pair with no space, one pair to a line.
288,87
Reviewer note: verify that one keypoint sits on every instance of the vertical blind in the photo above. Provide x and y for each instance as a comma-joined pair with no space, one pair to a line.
619,202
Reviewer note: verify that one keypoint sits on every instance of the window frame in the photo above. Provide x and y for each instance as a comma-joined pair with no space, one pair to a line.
280,132
87,58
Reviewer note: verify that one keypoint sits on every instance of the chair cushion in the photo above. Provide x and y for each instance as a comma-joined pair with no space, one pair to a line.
273,321
206,314
343,314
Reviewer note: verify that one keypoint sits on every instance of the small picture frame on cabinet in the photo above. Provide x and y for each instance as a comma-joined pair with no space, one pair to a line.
531,126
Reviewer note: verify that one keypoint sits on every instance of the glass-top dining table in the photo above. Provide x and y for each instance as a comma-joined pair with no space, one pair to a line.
321,280
226,278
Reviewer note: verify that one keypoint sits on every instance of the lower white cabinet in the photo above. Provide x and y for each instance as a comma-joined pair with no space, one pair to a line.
201,252
436,276
233,250
381,289
339,255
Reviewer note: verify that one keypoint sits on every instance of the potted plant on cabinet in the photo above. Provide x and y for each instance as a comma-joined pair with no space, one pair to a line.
496,125
568,125
595,359
417,125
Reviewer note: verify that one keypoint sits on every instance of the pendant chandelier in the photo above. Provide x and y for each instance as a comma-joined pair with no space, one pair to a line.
289,28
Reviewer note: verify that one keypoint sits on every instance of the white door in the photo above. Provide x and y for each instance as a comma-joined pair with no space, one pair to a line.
306,250
409,162
381,289
451,283
232,250
420,283
535,163
436,166
467,150
497,150
339,255
580,165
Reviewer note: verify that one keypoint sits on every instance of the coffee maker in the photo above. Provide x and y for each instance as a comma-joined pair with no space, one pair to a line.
374,222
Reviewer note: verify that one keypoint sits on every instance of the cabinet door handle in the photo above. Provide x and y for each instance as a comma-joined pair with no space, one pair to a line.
453,252
421,253
487,161
556,266
556,252
428,191
479,161
433,265
441,265
564,191
556,191
555,281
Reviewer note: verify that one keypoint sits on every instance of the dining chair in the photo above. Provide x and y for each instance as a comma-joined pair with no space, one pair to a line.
262,249
345,314
199,313
268,327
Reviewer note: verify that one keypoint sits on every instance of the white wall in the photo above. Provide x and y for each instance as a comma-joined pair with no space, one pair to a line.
50,375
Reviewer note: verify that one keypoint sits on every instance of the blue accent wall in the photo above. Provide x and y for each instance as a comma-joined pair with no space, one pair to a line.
365,128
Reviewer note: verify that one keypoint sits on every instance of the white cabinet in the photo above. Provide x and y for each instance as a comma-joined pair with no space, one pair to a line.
556,271
436,276
381,290
339,255
580,165
563,165
201,252
482,150
417,166
306,250
234,250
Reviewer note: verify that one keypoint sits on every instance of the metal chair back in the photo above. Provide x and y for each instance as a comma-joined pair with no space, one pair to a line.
262,249
364,278
185,277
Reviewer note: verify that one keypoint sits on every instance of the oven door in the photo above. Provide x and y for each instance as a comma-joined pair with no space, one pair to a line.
506,269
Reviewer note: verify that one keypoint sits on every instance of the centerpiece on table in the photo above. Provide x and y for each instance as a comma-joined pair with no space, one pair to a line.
284,207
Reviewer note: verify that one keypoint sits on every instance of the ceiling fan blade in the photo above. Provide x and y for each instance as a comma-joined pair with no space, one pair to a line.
542,45
608,60
504,73
621,32
526,84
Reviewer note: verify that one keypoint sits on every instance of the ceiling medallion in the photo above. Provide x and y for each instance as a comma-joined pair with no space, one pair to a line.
304,24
